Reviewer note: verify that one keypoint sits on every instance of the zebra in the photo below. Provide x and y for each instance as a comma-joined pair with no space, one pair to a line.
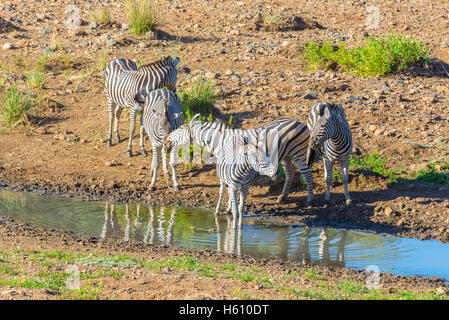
161,115
284,139
238,160
330,137
126,87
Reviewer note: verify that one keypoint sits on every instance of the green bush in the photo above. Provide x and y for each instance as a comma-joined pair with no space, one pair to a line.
36,78
199,98
141,15
379,56
16,106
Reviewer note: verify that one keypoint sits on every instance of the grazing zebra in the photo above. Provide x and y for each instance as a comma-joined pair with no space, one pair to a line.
162,114
126,86
284,139
330,137
237,163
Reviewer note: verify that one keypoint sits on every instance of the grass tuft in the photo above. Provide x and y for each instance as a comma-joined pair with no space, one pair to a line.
16,106
142,16
101,16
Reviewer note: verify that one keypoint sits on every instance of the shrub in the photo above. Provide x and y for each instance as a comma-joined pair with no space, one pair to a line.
16,106
141,15
378,56
199,97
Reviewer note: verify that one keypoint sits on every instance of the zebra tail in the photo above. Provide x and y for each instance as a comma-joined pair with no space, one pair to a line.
311,157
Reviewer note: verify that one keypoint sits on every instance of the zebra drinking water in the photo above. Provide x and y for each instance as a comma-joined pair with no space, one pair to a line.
162,114
330,137
126,86
237,163
284,140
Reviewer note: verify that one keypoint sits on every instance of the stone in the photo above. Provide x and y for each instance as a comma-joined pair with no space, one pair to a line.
110,42
7,46
59,137
400,222
93,25
45,31
388,212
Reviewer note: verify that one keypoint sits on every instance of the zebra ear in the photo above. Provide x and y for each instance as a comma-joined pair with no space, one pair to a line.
195,117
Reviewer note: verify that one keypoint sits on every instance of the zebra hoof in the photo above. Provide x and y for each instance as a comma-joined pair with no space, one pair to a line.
151,188
348,202
144,153
129,154
280,199
108,143
176,188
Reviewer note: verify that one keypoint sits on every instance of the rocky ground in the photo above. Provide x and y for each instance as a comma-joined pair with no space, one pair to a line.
259,75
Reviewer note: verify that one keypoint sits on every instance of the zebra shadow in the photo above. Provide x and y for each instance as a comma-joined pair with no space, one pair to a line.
7,26
164,35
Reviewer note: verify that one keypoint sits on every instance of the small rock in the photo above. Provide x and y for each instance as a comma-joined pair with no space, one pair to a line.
110,42
59,137
93,25
229,72
7,46
388,211
400,222
45,31
372,127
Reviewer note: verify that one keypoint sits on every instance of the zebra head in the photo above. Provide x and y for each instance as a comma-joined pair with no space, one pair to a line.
324,125
163,125
260,161
181,137
172,77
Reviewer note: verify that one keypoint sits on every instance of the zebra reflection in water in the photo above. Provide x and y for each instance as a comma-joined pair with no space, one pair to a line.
227,242
134,227
156,225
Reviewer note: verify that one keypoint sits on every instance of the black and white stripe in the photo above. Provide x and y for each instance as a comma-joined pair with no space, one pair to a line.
330,137
162,114
126,87
284,140
237,163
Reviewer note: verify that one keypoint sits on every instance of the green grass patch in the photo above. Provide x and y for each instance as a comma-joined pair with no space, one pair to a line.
36,78
378,56
199,97
142,16
435,173
16,106
374,162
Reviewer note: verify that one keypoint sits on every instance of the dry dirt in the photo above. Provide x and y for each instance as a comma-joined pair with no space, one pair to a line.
260,75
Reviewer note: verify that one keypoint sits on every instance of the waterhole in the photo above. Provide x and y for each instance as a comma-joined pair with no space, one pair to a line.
198,228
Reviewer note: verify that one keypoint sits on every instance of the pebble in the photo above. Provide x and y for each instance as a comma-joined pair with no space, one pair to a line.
7,46
229,72
400,222
110,42
388,211
45,31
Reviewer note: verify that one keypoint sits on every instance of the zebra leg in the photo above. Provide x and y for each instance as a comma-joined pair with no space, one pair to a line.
229,206
243,193
118,113
289,174
132,124
233,196
307,175
345,179
142,139
154,166
164,162
220,195
111,120
328,174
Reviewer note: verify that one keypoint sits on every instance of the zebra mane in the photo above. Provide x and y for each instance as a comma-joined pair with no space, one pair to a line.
164,61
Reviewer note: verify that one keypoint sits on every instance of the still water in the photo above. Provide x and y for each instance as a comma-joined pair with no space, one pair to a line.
196,228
